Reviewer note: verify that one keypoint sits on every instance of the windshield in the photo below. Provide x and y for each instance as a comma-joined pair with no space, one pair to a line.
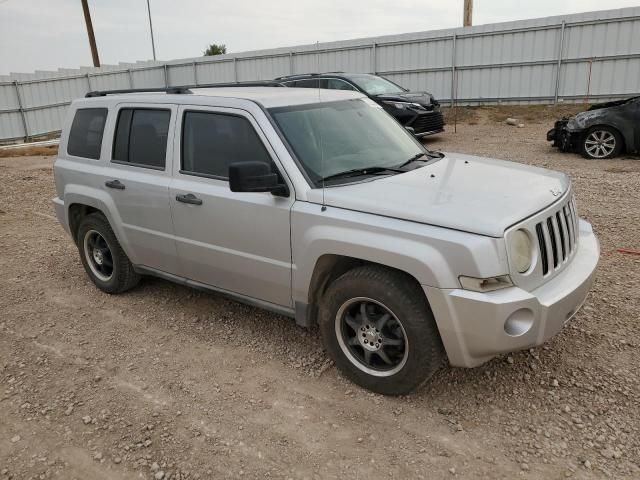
375,85
333,137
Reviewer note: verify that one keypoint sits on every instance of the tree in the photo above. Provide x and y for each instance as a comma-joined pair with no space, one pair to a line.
214,49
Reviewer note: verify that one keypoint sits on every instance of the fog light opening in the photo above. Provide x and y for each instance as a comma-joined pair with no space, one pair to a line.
519,322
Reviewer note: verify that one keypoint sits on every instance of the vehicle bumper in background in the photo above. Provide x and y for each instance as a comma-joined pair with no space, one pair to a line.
477,326
563,138
61,213
427,123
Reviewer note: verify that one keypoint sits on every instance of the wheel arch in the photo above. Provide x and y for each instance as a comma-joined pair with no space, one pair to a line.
77,211
82,201
620,131
327,269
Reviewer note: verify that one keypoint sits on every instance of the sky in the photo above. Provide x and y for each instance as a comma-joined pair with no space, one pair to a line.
51,34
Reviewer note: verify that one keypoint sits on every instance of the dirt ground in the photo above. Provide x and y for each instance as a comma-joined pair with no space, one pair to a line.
165,382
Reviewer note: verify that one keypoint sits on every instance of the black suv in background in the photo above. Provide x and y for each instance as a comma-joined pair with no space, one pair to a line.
418,110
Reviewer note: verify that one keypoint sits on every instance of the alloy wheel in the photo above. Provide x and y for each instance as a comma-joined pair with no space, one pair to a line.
600,143
371,337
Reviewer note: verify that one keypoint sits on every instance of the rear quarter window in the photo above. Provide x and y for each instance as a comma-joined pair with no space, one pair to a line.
87,129
141,137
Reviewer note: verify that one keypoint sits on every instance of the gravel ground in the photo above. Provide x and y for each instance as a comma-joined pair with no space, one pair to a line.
167,382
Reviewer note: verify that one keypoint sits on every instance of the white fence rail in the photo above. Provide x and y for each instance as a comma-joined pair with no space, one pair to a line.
568,58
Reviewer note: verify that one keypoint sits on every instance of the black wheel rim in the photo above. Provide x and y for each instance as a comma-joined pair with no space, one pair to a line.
371,337
98,255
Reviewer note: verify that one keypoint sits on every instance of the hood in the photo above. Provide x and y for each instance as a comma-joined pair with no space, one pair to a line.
423,98
615,103
462,192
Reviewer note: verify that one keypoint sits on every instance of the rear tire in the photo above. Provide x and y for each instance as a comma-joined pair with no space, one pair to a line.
102,256
377,326
601,142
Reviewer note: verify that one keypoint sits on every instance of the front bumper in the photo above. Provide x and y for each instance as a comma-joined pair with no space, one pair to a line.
427,123
563,138
477,326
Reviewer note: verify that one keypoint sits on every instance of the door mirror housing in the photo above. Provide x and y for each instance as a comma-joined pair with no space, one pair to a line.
255,177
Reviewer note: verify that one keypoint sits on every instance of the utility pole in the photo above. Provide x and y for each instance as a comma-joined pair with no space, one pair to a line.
153,45
467,16
92,38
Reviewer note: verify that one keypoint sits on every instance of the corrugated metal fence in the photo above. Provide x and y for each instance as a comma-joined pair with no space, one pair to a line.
546,60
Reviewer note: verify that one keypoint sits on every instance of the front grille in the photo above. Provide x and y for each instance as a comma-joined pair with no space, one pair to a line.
428,122
557,237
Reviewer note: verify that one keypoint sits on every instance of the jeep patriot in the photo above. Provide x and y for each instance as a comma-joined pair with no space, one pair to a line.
318,205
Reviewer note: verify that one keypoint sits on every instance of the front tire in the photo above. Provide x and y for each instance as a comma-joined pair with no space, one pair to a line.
601,142
377,326
102,256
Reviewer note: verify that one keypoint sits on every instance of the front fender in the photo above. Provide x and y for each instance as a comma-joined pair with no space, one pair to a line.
613,117
434,256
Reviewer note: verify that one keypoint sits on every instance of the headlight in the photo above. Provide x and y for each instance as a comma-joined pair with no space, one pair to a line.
521,251
403,105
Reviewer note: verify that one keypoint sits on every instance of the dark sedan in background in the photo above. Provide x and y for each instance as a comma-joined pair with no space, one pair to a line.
417,110
603,131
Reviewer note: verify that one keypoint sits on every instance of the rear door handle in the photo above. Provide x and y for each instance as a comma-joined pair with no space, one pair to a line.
114,184
189,198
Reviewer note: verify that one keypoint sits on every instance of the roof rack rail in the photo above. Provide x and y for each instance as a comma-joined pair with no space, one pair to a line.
104,93
181,90
299,75
266,83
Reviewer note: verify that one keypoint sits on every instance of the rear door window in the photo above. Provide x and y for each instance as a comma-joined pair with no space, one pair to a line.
85,136
308,83
141,137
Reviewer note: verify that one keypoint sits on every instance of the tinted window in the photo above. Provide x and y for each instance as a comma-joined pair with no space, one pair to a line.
212,141
85,137
337,84
309,83
141,137
374,85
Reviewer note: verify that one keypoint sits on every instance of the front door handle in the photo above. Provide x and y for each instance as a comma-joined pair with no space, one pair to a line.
189,198
114,184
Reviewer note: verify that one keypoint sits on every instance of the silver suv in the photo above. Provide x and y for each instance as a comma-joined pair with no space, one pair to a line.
318,205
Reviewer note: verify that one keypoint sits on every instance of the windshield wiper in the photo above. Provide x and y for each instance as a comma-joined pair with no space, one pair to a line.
355,172
418,156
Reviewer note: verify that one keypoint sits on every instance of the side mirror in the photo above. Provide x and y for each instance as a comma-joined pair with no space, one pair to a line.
255,177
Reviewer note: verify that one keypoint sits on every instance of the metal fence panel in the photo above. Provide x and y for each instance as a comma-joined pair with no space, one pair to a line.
111,81
11,126
148,77
563,58
216,72
506,82
181,74
262,68
413,56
